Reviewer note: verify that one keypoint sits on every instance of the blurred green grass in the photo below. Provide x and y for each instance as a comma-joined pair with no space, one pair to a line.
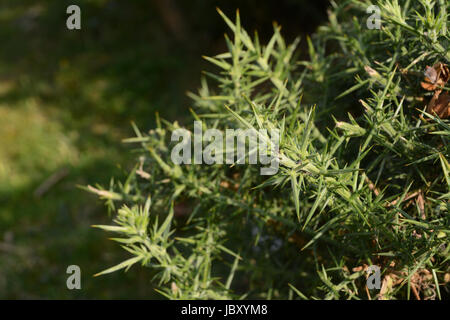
66,100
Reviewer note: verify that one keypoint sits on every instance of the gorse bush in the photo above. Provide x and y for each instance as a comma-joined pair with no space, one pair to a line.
363,178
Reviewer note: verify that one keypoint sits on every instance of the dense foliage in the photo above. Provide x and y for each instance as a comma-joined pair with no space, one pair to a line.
363,179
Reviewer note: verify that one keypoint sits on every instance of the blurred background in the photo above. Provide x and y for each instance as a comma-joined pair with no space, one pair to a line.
67,98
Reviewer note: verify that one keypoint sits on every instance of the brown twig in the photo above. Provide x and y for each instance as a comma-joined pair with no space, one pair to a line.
50,182
414,290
